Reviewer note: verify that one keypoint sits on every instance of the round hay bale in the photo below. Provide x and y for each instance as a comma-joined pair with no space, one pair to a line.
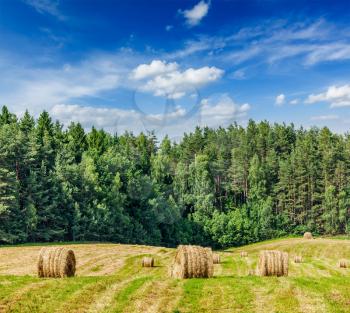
343,264
273,263
244,254
192,262
210,262
285,263
308,235
56,262
147,262
216,258
298,259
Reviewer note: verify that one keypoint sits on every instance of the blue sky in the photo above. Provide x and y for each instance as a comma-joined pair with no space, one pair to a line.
171,65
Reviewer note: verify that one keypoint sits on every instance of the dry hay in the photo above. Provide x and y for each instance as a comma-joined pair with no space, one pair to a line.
216,258
244,254
273,263
308,235
192,262
98,259
298,259
209,256
343,264
56,262
147,262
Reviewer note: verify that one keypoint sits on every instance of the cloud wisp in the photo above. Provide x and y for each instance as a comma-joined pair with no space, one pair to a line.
329,117
312,42
46,7
36,89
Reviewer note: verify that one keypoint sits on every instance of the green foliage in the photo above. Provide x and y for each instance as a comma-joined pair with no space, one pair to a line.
223,187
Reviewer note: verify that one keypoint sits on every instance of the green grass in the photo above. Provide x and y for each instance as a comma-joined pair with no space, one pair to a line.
316,285
342,237
122,298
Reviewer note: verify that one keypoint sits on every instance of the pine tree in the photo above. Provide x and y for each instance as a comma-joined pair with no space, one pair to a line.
6,117
12,226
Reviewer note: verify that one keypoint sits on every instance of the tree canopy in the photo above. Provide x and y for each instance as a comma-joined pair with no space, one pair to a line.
220,187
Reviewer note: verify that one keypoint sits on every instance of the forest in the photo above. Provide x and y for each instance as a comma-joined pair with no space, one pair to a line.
221,187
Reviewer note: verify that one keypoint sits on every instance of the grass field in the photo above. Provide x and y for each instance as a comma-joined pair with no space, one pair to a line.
110,279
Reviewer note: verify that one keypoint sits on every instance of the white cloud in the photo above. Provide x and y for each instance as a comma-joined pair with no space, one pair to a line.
117,120
240,56
222,111
336,96
314,42
177,113
197,13
271,42
110,119
166,80
294,101
280,99
324,117
46,7
84,92
36,89
156,67
212,112
204,44
329,52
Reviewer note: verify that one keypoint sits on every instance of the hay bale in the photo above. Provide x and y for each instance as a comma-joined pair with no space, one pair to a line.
273,263
192,262
244,254
56,262
210,262
298,259
308,235
216,258
147,262
285,264
343,264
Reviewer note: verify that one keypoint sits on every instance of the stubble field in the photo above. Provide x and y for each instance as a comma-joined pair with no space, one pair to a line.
110,278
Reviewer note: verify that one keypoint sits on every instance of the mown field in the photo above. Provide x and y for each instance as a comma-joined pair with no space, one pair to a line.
111,279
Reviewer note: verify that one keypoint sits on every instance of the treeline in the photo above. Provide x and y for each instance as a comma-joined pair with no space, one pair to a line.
221,187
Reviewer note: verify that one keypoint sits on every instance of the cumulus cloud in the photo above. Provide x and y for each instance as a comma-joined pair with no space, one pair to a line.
213,112
156,67
116,120
111,119
165,79
196,14
94,81
280,99
337,96
222,111
85,92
